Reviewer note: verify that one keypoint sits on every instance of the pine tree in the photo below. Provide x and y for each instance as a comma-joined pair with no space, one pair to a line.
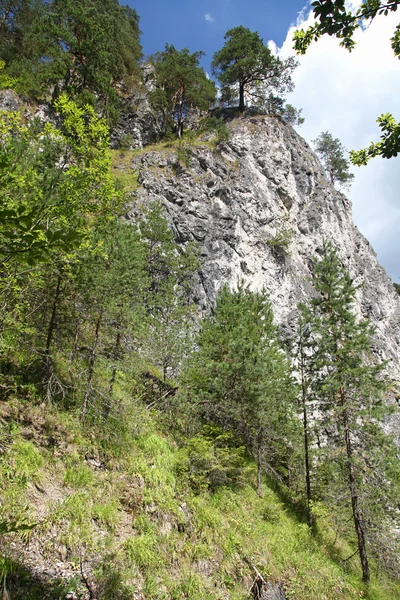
112,289
332,154
170,271
246,62
303,358
82,47
182,83
240,377
347,388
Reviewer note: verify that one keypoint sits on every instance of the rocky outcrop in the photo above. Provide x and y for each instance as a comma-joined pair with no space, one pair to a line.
260,207
139,124
10,101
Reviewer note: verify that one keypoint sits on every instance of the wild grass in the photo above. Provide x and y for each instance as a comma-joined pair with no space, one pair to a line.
137,519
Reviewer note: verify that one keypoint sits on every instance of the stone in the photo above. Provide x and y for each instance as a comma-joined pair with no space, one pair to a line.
139,124
271,591
9,100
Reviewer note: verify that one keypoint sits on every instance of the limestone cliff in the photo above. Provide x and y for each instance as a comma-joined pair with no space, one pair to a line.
260,206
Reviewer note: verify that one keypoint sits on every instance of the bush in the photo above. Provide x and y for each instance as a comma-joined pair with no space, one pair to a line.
217,125
216,459
184,154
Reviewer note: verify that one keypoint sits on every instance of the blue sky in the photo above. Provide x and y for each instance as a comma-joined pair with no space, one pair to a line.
201,24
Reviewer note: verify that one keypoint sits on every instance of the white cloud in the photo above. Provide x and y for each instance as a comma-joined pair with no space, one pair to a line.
344,93
208,17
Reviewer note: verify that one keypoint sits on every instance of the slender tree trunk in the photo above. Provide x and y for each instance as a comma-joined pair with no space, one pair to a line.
92,361
241,97
75,343
47,370
259,463
52,323
310,519
107,407
358,524
180,113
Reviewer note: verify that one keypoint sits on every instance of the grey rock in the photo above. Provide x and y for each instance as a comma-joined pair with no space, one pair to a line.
271,591
9,100
265,183
139,124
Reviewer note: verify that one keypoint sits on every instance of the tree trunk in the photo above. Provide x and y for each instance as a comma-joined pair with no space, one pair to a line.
358,524
310,519
241,97
259,461
52,323
107,406
180,113
75,343
92,361
47,364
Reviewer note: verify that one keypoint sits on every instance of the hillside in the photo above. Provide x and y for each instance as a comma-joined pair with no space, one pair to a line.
114,482
124,512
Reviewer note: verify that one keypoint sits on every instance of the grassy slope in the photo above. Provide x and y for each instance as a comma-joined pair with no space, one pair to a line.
117,502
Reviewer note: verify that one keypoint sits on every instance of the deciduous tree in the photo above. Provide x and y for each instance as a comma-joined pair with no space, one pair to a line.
335,18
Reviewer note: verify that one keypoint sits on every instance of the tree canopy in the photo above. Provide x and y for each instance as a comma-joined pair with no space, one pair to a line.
54,182
82,47
245,61
345,386
241,378
183,84
332,154
334,18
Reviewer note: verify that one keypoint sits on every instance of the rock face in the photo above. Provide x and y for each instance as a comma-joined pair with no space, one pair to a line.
139,124
259,207
10,101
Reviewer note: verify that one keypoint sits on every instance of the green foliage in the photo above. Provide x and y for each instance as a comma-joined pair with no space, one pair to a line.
80,47
207,531
78,476
358,462
182,84
239,375
52,182
292,115
215,458
6,82
142,551
23,463
184,154
336,19
171,273
247,62
217,125
388,147
107,514
282,239
331,152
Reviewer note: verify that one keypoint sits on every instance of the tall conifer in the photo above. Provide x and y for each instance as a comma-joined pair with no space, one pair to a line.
347,388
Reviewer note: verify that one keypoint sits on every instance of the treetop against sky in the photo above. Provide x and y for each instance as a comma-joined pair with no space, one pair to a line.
202,25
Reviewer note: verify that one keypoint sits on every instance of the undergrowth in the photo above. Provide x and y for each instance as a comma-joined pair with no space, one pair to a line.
144,514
